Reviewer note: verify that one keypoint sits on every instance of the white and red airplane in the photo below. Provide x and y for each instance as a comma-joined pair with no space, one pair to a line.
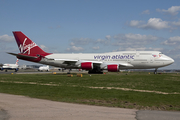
10,66
93,62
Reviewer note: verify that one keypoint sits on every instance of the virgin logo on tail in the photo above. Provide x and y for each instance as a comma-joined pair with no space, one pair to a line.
26,48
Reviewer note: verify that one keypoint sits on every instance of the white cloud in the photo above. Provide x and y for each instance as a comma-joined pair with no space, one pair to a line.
108,37
6,38
88,41
44,47
96,48
133,37
133,41
72,44
158,49
135,49
174,10
81,41
75,49
176,23
102,41
140,49
156,23
152,23
175,39
135,23
172,41
146,12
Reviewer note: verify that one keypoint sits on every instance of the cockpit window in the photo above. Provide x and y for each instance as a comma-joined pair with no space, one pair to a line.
160,54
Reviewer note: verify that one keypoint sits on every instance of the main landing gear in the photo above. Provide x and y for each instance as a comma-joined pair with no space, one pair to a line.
155,72
69,71
95,71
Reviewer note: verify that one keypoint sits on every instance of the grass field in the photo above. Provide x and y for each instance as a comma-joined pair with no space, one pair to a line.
135,90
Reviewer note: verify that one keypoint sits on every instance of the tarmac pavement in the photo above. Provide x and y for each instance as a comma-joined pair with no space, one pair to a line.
16,107
157,115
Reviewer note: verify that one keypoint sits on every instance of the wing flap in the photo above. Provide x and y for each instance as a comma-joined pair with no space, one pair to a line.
125,64
73,61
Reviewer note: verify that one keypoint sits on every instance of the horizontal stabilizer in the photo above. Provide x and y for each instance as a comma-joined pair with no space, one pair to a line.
24,56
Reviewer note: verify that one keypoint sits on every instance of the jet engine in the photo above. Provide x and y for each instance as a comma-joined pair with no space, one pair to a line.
87,65
113,68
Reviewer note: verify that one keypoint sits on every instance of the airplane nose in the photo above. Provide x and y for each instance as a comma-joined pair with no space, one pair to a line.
172,61
167,60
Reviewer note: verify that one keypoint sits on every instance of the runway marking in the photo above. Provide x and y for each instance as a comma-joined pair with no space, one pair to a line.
109,88
128,89
35,83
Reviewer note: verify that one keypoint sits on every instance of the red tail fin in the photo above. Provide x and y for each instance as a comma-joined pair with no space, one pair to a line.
17,61
27,46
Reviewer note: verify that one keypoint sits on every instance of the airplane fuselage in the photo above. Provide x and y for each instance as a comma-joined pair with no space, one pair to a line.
127,59
10,67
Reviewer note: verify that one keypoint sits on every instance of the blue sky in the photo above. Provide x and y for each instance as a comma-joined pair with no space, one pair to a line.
85,26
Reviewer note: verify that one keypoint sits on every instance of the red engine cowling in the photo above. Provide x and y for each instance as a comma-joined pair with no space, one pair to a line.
87,65
113,68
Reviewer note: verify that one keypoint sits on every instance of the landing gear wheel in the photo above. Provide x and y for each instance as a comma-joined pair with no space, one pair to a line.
95,72
155,72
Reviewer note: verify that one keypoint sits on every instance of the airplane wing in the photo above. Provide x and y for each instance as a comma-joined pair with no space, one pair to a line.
95,63
125,64
65,61
73,61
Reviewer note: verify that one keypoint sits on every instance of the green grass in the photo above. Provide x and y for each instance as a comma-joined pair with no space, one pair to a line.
77,90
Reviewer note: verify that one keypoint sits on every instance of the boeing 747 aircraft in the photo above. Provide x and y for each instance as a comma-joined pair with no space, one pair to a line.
93,62
10,66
